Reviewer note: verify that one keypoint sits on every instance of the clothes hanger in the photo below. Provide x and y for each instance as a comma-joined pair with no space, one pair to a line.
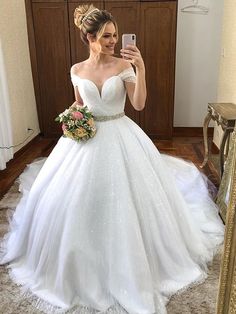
195,8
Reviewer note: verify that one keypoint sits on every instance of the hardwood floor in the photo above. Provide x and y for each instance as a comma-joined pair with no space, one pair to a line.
189,148
38,148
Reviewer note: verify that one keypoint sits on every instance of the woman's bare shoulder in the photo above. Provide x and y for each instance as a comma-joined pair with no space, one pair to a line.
76,67
122,64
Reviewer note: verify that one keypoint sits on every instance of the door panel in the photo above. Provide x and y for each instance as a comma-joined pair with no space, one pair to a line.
53,60
158,22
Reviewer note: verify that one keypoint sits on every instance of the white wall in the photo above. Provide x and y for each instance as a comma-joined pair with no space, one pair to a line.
197,62
13,34
227,77
227,74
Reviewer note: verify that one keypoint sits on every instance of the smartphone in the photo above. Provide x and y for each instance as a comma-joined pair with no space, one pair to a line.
128,39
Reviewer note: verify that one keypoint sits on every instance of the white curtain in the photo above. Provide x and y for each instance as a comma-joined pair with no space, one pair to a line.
5,123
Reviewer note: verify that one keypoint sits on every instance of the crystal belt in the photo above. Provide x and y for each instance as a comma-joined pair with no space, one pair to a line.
106,118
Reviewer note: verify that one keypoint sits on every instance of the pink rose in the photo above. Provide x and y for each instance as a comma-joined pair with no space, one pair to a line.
77,115
63,127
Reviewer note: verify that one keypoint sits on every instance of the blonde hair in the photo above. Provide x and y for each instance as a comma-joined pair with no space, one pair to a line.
91,20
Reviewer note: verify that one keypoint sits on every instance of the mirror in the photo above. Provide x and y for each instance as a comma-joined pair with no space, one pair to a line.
225,189
227,201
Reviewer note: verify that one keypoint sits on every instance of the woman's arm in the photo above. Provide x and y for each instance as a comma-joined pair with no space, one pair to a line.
78,99
137,92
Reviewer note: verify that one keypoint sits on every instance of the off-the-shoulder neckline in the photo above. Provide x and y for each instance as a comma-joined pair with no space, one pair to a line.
109,78
118,74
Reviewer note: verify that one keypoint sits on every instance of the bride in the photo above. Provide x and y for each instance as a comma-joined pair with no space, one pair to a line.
110,225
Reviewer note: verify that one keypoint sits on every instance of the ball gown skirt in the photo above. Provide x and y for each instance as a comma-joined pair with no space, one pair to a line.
110,225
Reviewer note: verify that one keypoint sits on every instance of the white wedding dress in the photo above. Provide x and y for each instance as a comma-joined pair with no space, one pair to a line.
110,225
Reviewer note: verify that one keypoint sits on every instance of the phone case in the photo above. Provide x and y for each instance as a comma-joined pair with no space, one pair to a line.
128,39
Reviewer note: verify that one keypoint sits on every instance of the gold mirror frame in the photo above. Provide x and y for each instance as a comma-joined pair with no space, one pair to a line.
226,303
225,188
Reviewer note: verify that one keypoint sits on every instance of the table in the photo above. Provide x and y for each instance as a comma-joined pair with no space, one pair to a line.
225,115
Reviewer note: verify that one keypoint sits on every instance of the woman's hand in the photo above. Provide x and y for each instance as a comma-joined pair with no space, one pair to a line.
133,55
76,103
137,92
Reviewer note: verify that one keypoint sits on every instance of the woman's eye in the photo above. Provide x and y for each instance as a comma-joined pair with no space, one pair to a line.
107,36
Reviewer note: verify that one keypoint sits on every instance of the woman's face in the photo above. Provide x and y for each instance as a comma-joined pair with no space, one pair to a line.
106,44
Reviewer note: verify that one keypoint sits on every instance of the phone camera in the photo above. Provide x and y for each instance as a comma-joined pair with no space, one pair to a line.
133,37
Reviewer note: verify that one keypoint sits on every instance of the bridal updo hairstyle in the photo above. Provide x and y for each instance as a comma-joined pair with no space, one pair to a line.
91,20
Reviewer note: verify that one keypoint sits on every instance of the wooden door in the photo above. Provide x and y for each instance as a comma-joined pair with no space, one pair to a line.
127,17
50,22
55,46
48,1
158,37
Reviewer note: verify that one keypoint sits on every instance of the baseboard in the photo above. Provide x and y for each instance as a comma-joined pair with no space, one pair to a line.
191,132
23,149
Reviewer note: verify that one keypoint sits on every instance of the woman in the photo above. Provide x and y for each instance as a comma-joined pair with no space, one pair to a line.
110,225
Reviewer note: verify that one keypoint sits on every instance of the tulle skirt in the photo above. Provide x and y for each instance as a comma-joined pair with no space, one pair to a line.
111,225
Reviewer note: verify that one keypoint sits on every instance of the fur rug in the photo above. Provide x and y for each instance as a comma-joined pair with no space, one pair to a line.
200,299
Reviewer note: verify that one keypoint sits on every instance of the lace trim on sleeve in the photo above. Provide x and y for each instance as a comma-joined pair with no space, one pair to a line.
131,79
128,75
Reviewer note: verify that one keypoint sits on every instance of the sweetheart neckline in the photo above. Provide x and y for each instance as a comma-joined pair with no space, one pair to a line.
98,89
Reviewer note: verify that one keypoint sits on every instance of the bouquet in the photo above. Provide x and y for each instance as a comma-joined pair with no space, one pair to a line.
77,123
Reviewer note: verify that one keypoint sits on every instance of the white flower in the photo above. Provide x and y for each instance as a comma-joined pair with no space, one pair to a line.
71,123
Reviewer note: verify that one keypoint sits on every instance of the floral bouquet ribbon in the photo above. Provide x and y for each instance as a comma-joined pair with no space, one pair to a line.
77,123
